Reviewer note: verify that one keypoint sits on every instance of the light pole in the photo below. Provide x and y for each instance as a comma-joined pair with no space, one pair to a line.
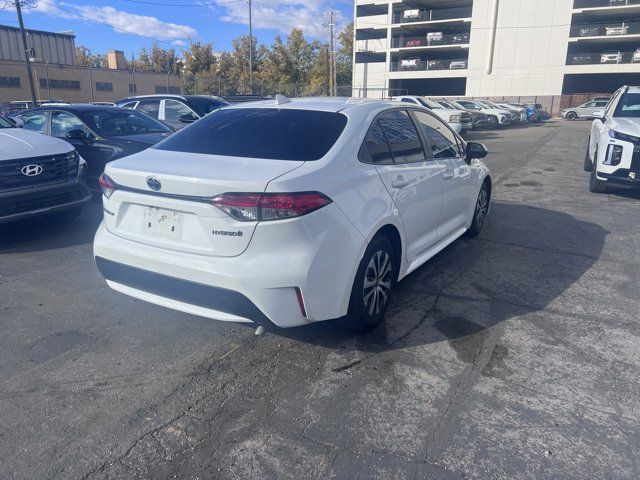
26,53
250,47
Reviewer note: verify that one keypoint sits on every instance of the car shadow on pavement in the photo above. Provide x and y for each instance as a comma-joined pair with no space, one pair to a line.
48,233
525,258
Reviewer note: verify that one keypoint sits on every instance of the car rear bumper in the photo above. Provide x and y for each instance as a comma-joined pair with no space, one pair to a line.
21,204
316,254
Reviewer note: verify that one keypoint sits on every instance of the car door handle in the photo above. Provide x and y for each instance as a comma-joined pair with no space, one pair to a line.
447,175
400,183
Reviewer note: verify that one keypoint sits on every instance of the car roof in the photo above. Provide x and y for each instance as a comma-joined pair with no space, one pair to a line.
323,104
168,95
79,107
631,89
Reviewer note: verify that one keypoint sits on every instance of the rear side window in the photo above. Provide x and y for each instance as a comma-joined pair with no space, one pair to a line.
266,133
150,107
403,137
375,148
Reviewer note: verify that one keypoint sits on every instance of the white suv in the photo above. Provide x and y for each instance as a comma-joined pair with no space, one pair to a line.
613,151
289,212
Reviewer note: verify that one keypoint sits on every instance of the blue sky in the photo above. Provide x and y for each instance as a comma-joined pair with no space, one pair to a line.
216,21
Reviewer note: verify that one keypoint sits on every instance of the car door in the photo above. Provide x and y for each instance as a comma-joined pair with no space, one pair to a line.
171,112
64,125
585,109
412,178
458,195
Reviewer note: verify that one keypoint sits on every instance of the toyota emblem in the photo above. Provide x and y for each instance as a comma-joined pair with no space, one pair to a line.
154,184
31,170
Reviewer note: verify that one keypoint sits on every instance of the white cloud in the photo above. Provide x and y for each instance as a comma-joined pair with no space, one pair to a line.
121,21
283,15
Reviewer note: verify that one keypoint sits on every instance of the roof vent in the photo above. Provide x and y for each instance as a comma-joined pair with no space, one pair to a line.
281,100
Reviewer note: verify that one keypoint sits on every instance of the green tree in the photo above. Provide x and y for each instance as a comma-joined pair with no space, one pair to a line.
344,56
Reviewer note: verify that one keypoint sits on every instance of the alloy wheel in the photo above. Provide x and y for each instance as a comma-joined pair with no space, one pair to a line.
377,282
482,207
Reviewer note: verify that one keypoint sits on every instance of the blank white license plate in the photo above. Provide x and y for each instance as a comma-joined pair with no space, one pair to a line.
162,223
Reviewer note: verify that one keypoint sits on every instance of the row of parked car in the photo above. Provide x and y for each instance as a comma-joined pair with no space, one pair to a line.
244,215
466,115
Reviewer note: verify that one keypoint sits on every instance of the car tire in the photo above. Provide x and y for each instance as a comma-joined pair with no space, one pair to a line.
493,122
372,287
595,185
480,213
571,116
588,165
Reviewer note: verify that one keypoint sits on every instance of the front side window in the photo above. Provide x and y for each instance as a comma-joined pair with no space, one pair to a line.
444,143
589,105
402,136
265,133
628,106
63,122
35,121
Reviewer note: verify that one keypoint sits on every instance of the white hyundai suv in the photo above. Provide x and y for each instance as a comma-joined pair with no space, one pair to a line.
613,150
289,212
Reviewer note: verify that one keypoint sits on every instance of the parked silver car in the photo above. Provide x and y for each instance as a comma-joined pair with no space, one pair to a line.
583,111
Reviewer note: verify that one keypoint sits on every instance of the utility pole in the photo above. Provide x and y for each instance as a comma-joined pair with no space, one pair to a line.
328,73
331,25
250,47
34,99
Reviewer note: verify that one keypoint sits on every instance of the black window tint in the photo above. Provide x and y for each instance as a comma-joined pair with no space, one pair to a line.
150,107
408,100
402,136
266,133
375,148
443,142
173,110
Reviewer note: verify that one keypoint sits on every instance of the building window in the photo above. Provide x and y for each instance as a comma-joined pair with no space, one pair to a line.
9,82
172,90
132,88
104,86
60,84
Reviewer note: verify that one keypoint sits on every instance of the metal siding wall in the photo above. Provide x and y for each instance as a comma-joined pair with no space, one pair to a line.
50,48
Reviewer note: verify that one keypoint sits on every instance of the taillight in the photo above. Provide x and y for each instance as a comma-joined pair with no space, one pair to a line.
261,207
107,185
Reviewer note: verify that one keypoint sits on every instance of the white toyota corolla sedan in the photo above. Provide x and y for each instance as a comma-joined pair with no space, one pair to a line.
289,212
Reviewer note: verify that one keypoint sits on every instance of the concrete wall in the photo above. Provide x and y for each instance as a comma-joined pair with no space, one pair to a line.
146,83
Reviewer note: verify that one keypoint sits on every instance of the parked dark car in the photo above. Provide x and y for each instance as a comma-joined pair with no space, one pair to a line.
581,59
100,134
245,98
478,119
591,31
177,111
460,38
437,65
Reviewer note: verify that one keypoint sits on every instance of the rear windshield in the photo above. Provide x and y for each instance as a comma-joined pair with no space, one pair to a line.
204,106
628,106
265,133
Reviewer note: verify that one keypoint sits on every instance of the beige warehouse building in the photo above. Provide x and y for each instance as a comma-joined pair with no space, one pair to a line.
57,77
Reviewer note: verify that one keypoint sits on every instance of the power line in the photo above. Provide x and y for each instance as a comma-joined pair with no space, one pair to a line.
213,4
108,25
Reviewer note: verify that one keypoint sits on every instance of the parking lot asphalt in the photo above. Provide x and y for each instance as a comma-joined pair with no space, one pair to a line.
515,355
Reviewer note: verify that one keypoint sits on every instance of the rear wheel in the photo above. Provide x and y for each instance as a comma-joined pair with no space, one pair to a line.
571,116
587,161
481,211
372,287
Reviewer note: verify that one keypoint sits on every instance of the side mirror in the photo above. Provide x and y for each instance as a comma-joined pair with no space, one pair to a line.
76,134
476,150
598,113
188,118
